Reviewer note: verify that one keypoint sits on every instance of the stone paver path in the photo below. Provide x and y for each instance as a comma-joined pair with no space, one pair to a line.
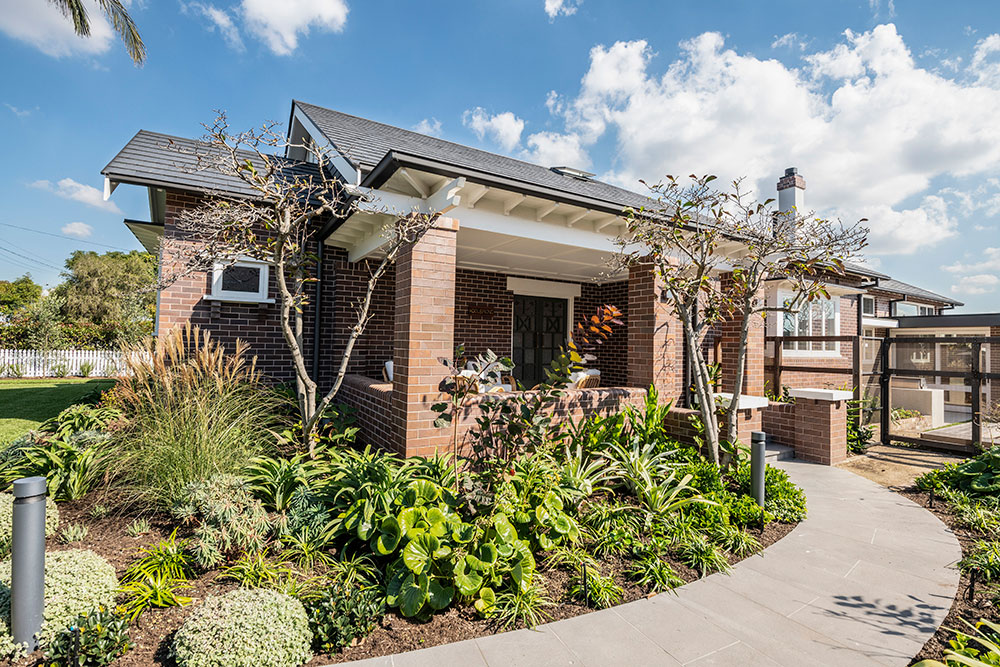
866,580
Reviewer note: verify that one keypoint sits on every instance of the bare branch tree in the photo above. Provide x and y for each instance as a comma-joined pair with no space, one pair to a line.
277,221
693,235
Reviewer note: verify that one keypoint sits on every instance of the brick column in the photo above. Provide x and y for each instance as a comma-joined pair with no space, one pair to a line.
993,395
729,332
655,337
424,331
820,430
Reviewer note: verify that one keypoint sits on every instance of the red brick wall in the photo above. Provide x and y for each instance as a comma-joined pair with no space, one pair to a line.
612,354
372,400
655,339
424,332
816,429
183,301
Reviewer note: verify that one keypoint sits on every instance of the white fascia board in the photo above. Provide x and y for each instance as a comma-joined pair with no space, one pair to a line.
337,159
109,187
879,322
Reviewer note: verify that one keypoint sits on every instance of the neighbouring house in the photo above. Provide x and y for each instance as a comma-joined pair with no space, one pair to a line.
518,257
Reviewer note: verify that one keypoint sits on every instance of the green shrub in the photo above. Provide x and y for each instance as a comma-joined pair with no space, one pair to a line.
782,498
342,614
152,591
194,412
86,368
984,560
72,465
7,521
228,520
252,627
167,557
744,511
80,417
979,476
102,636
74,532
76,581
600,591
978,648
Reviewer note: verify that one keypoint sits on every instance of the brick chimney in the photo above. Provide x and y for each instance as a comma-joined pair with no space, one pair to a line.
792,191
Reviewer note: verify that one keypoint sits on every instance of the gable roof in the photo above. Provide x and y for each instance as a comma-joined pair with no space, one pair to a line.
366,143
906,289
162,160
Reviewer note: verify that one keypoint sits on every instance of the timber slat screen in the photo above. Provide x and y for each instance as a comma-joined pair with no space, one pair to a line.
974,376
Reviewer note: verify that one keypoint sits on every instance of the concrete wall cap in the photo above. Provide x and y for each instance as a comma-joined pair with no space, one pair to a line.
822,394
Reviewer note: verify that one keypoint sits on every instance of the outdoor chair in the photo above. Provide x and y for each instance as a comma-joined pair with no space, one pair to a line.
387,372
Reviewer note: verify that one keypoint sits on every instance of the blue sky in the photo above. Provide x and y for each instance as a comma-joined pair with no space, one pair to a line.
890,111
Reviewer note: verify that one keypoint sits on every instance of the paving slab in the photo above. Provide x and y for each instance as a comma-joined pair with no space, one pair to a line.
866,579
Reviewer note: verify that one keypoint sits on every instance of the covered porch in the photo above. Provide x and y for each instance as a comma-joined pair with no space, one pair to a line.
502,270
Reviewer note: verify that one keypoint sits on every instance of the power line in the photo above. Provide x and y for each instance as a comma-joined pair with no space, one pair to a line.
69,238
31,255
26,258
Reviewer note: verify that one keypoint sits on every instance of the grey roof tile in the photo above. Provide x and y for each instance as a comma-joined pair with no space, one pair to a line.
366,142
151,158
906,289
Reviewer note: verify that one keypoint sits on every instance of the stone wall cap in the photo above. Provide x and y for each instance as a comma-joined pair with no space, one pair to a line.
822,394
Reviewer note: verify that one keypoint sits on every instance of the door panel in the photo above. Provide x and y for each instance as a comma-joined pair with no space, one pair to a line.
539,332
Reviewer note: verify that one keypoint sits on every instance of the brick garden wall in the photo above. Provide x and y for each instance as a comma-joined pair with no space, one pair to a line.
371,399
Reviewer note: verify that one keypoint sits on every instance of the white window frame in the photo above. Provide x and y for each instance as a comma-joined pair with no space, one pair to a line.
784,295
260,296
865,298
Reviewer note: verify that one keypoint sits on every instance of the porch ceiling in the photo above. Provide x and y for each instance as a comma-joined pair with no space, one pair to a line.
490,251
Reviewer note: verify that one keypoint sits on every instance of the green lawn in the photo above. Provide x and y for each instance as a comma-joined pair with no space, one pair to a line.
24,404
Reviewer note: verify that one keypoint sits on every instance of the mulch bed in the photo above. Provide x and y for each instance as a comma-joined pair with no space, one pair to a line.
962,609
153,631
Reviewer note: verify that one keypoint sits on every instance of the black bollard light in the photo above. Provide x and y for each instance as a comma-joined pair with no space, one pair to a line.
27,590
758,463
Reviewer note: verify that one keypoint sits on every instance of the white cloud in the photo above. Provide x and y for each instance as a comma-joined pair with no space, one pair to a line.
20,113
985,64
876,7
80,230
990,262
565,7
552,149
983,283
42,25
431,126
856,120
67,188
503,128
789,40
984,228
280,22
218,19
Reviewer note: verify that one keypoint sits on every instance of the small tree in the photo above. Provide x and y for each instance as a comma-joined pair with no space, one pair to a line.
279,223
694,234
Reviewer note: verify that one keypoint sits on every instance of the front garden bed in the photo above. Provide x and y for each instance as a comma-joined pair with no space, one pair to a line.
187,481
972,511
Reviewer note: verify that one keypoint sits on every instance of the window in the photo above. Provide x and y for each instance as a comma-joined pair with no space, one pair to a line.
868,306
908,309
817,318
245,280
870,347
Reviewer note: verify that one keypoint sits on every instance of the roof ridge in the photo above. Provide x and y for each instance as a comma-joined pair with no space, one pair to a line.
448,141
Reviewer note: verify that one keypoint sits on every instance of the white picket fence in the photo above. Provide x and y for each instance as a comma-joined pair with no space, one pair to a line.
52,363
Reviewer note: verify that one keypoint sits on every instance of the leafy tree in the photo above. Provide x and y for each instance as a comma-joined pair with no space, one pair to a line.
113,287
280,225
44,331
117,15
16,295
694,234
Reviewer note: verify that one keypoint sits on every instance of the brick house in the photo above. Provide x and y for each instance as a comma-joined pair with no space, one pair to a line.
518,256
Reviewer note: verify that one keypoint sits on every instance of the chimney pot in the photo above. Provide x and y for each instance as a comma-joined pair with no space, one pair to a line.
791,171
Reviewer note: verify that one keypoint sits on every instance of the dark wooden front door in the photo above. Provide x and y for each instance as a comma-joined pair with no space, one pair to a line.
539,332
